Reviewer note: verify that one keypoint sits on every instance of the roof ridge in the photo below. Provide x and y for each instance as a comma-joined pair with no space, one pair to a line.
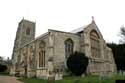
79,29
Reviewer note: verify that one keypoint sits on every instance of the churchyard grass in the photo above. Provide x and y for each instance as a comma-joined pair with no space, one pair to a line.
74,79
4,73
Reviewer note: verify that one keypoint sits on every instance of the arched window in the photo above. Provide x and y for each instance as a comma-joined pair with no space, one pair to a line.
42,54
68,47
28,31
95,47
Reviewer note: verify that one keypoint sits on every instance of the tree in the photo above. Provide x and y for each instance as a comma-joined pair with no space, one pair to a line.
3,68
77,63
4,64
1,59
119,55
122,34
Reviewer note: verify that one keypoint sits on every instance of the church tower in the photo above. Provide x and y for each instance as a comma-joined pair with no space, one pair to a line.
25,33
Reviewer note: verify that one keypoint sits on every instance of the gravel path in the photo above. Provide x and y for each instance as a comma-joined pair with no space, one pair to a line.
9,79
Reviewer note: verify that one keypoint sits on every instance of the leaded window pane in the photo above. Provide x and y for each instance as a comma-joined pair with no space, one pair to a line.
68,47
42,54
95,48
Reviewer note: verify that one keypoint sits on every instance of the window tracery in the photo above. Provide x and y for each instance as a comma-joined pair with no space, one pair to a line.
42,54
95,47
68,47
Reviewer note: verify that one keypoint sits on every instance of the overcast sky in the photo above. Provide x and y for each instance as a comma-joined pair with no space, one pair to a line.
64,15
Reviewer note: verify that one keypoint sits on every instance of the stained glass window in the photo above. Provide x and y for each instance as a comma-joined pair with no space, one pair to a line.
42,54
68,47
95,47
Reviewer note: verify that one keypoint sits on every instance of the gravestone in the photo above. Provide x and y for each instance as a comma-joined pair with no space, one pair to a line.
120,72
123,73
83,75
58,76
50,76
103,76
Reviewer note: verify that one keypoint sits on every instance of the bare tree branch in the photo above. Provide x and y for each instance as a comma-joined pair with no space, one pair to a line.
122,34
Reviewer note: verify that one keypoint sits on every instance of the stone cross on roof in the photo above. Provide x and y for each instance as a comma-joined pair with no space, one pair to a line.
92,18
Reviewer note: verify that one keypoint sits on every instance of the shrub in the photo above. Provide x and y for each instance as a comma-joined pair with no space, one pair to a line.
77,63
3,68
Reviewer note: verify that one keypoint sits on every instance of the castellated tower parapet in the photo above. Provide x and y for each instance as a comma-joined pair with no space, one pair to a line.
25,33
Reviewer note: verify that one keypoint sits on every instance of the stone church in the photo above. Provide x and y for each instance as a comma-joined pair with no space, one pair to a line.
47,54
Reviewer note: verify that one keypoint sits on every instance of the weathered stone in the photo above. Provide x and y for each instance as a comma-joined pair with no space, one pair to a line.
58,76
46,55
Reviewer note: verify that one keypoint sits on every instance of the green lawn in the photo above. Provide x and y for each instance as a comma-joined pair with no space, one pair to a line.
4,73
73,79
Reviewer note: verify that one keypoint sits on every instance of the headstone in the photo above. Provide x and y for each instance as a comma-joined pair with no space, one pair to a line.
100,76
83,75
61,76
50,66
58,76
123,73
51,78
103,76
120,72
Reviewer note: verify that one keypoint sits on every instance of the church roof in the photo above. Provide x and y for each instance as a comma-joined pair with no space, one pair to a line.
83,27
79,29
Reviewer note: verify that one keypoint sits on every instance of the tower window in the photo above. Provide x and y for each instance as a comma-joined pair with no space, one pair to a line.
28,31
